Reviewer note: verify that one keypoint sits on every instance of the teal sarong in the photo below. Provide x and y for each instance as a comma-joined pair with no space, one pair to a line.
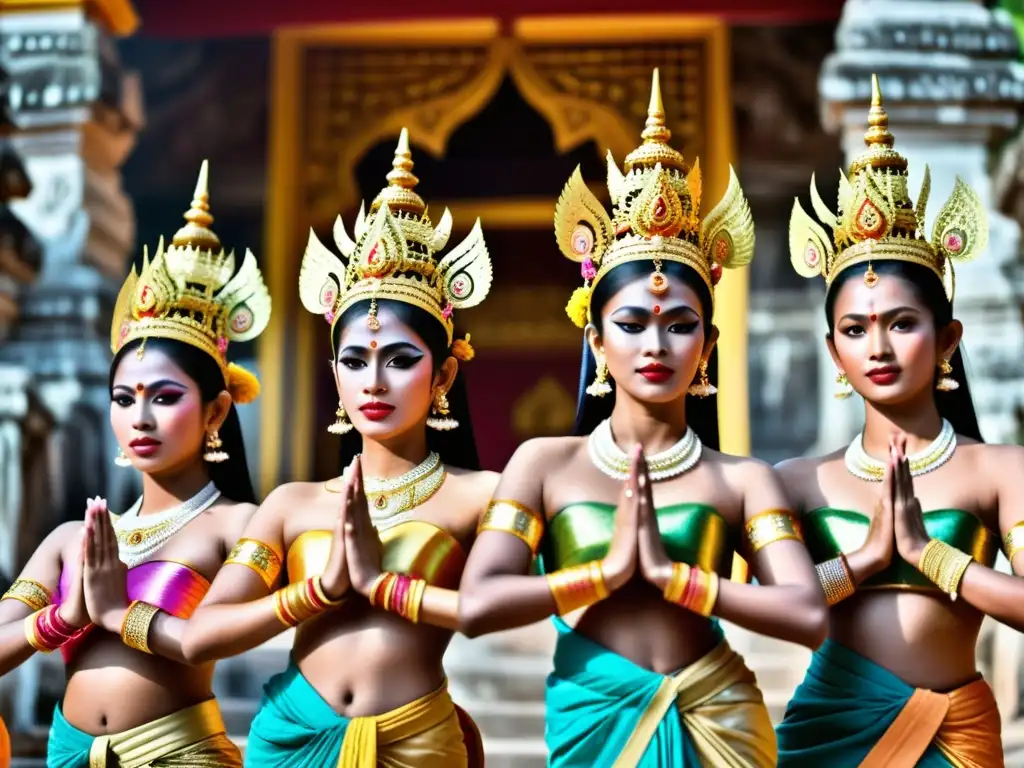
294,727
847,703
67,747
709,714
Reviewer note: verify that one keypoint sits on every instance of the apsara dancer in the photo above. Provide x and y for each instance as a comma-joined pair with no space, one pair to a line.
896,684
113,594
372,590
645,542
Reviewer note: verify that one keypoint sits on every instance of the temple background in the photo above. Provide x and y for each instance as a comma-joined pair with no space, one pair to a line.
106,112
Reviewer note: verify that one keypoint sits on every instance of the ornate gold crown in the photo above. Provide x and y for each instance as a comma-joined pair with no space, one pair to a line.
393,257
189,292
654,218
877,220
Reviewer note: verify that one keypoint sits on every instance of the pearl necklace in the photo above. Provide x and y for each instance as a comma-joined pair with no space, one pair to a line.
392,501
139,537
938,452
609,458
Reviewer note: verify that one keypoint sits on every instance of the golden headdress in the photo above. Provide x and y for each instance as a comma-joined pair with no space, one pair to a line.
655,217
877,220
189,292
393,257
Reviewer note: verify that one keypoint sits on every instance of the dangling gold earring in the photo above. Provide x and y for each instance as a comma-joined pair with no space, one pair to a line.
121,459
439,418
600,387
845,390
214,454
703,387
341,425
946,383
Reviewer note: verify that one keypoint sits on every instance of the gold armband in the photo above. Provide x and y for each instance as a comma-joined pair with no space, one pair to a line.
259,556
31,593
770,526
135,627
835,579
944,566
1012,543
577,587
512,517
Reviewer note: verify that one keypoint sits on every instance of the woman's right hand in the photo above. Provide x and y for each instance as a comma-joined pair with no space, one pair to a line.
335,581
620,563
73,609
878,548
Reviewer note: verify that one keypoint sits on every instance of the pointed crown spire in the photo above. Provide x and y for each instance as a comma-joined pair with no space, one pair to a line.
877,139
656,134
400,193
196,232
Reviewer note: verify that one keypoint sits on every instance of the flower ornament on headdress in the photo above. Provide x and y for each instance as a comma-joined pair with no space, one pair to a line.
655,217
393,257
877,220
189,292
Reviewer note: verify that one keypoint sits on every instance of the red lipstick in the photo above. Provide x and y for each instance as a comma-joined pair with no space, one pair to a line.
376,410
144,447
885,375
656,373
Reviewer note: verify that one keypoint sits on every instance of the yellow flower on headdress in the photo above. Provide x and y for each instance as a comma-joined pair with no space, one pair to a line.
243,385
578,305
462,350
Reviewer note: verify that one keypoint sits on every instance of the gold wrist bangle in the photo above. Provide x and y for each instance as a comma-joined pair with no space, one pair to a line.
512,517
30,592
712,595
836,580
944,566
677,582
136,624
577,587
258,556
1014,541
318,587
770,526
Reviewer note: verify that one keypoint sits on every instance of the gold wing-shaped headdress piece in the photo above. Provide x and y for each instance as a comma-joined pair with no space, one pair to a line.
393,257
190,292
655,217
877,221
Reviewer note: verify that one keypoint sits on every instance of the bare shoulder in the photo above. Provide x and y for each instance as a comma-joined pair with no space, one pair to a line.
1000,462
63,535
744,472
288,494
476,486
543,455
232,517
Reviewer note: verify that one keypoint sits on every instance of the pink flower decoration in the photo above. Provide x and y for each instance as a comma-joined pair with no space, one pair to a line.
222,345
446,313
329,316
588,270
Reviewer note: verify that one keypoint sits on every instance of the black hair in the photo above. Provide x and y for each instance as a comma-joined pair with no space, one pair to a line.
231,476
957,407
457,447
701,412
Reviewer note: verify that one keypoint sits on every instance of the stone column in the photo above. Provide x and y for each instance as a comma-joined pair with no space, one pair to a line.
74,116
952,86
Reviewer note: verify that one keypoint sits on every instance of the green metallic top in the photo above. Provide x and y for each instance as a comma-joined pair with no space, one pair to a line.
693,533
830,532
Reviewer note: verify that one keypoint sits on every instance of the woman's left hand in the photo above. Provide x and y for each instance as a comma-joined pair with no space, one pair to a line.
911,535
655,564
106,594
362,544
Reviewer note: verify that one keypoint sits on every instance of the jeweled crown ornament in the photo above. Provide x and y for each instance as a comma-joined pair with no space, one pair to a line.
189,292
655,217
877,221
393,257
